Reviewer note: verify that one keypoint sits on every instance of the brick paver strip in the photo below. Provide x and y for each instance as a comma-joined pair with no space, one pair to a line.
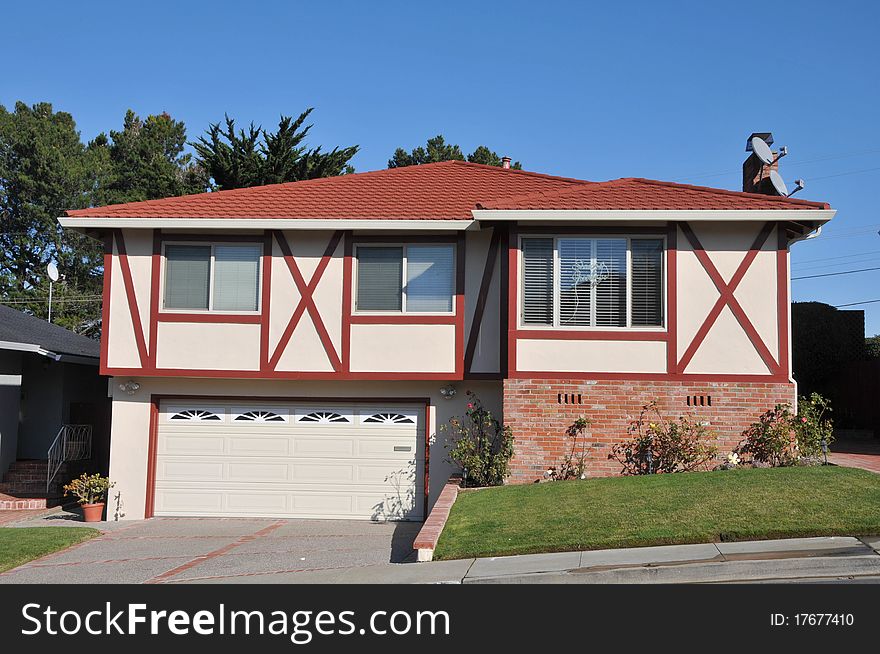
218,552
430,532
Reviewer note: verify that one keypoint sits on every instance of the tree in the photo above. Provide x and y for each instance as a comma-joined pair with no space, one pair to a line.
437,149
44,170
254,156
146,161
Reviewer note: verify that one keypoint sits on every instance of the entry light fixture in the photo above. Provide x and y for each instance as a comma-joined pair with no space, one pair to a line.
130,387
448,392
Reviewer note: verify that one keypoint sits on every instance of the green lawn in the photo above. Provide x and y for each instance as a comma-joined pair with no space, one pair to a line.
22,544
694,507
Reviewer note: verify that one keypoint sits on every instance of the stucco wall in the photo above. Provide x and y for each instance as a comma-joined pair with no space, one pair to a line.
131,421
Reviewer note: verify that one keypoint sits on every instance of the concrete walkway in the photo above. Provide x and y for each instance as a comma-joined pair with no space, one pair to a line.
833,559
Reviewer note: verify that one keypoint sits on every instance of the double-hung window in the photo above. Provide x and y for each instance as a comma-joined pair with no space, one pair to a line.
592,282
405,278
212,277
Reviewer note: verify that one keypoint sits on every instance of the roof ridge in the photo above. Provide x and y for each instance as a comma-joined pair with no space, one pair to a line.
724,191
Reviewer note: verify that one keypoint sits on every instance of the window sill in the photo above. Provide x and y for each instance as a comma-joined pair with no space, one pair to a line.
210,316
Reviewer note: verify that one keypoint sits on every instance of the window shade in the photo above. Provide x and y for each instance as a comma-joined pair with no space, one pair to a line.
576,261
429,277
611,288
379,278
537,281
236,277
187,275
647,282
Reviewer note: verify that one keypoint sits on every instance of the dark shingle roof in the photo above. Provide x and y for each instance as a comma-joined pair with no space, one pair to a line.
18,327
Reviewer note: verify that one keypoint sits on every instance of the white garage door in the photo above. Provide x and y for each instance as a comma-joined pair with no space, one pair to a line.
290,460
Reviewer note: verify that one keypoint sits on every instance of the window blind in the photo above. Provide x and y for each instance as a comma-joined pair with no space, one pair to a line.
647,282
429,277
379,278
187,275
236,277
576,261
537,281
611,287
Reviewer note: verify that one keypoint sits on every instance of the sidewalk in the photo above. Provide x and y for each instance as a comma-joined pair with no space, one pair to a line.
832,559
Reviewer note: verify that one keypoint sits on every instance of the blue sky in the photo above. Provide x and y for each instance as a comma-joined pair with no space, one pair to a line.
667,90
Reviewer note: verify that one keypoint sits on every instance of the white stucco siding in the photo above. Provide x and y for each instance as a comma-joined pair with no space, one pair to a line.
487,351
539,355
123,351
131,420
402,348
208,346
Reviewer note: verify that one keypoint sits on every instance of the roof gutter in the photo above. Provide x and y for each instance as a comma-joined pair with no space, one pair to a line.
312,224
651,215
55,356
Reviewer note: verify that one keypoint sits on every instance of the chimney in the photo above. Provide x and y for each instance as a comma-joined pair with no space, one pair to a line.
756,174
505,163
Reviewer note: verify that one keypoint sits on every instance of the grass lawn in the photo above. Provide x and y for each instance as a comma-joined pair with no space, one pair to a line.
22,544
698,507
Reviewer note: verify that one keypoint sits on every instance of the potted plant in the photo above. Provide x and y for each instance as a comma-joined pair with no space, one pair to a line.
90,491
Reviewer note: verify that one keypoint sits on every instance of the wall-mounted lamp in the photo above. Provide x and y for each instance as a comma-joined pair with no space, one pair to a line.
130,387
448,392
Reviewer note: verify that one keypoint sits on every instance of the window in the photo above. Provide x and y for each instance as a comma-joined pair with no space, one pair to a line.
212,277
592,282
405,278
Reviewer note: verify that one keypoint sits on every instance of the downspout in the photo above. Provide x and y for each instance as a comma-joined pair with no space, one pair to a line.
806,237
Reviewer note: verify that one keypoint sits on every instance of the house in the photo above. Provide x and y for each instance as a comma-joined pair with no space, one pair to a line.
291,350
54,409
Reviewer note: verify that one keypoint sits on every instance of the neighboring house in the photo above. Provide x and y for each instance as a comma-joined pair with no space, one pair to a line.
48,380
289,350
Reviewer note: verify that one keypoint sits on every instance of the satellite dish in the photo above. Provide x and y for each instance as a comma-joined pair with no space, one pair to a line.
52,269
762,150
778,184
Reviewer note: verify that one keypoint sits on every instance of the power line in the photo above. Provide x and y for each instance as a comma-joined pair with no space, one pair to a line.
852,304
844,272
842,256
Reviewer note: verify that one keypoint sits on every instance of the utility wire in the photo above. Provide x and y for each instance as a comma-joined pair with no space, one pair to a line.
852,304
832,274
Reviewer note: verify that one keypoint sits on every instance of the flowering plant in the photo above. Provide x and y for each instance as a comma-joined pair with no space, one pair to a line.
89,489
479,445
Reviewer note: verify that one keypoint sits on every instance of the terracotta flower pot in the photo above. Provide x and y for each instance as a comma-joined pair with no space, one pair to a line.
93,512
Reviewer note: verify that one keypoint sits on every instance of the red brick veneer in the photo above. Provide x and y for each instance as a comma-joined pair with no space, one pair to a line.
539,421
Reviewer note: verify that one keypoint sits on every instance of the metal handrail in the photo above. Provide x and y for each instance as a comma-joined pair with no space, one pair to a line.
73,443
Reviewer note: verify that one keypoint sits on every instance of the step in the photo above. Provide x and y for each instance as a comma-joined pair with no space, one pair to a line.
36,488
15,503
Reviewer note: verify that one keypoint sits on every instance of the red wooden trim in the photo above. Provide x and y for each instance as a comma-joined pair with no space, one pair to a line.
727,298
214,238
152,456
347,283
649,376
512,295
243,318
672,299
265,300
283,374
483,376
589,335
307,302
155,290
105,307
482,298
131,296
508,299
588,230
152,453
403,319
460,308
782,302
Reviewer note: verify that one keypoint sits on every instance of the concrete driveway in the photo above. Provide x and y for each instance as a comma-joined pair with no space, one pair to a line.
173,550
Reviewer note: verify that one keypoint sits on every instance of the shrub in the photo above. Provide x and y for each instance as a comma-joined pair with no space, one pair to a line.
658,445
813,425
574,463
479,445
772,440
89,489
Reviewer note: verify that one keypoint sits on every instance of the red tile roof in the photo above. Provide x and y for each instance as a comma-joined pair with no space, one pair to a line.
442,191
632,193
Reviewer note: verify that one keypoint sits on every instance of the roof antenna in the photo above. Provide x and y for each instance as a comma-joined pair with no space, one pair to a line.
765,156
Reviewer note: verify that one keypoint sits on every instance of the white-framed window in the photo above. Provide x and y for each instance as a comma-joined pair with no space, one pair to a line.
221,277
410,278
603,282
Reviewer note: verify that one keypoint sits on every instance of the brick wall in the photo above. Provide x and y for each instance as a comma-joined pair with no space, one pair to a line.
539,421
